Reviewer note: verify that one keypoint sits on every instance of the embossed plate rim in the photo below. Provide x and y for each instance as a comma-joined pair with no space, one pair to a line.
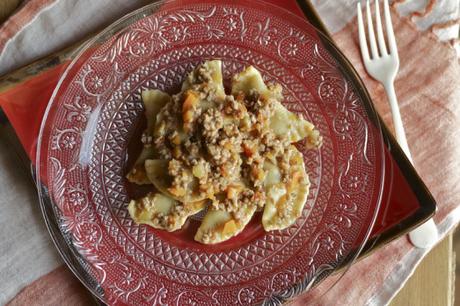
47,113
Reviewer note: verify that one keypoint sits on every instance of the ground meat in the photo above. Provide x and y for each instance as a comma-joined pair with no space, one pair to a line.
232,131
212,122
181,179
226,142
193,150
201,80
163,151
202,75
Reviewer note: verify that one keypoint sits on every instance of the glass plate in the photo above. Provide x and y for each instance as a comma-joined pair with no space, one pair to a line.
87,140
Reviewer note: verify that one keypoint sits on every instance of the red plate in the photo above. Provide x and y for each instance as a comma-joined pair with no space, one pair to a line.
95,111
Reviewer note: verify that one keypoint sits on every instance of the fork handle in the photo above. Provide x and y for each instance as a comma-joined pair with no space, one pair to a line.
426,234
397,121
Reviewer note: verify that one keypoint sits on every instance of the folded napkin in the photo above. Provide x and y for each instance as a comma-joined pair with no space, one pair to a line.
427,88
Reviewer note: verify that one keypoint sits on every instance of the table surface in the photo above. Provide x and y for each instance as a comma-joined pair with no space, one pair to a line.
6,7
431,283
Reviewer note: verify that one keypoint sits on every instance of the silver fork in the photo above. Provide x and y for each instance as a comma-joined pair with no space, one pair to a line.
382,64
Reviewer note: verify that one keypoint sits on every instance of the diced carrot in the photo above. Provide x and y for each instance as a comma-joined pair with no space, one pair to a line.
178,192
191,100
229,227
247,150
176,139
233,191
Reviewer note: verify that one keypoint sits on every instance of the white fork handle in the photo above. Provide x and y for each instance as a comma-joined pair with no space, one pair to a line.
397,121
426,234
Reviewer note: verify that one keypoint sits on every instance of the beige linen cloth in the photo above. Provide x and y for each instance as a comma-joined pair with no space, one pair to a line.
428,88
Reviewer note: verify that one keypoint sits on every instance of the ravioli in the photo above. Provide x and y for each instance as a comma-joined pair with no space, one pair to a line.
137,174
230,153
248,80
285,200
163,212
283,122
153,100
219,225
157,173
214,70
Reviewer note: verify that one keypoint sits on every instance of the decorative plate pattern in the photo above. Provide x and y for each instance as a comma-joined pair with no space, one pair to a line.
83,152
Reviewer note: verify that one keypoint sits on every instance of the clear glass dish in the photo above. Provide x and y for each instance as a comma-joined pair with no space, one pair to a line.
87,139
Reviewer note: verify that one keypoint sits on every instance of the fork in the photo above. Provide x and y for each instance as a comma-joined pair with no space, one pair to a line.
382,64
